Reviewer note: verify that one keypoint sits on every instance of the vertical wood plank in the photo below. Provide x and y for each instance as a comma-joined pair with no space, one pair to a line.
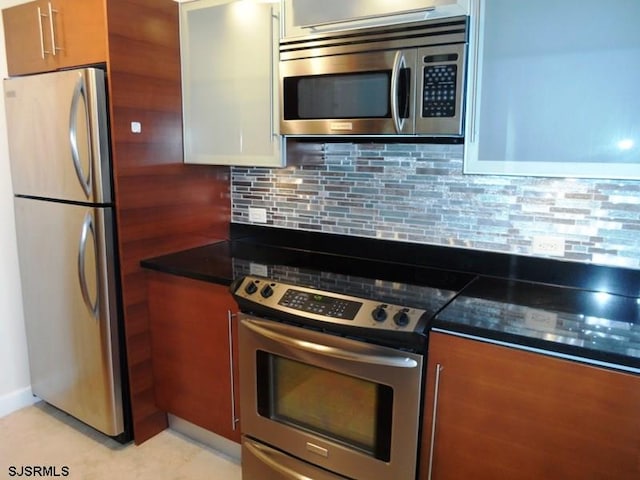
162,205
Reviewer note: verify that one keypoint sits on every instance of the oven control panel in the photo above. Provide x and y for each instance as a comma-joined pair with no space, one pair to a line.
307,303
320,304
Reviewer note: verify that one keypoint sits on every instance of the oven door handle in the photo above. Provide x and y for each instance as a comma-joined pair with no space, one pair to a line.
264,455
261,328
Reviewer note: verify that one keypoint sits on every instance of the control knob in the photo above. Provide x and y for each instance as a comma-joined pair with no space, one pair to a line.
266,291
251,288
401,318
379,313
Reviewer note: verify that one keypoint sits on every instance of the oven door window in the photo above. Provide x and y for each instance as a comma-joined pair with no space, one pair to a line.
337,96
341,408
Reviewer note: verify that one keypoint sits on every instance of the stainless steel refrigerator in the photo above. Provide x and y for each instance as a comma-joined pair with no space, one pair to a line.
65,222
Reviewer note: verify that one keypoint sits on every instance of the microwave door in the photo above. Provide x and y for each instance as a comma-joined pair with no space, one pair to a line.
349,94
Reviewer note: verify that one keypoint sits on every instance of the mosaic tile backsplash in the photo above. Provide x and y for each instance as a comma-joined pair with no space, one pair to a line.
418,193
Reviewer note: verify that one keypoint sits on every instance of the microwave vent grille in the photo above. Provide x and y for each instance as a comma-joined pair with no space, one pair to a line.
415,34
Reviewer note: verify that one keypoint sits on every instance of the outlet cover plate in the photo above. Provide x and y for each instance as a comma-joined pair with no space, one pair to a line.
544,245
257,215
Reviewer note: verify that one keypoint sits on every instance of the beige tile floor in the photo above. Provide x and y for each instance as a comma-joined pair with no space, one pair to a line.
40,435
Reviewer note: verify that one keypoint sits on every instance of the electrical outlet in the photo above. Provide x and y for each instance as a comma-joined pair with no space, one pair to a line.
258,269
257,215
548,246
540,319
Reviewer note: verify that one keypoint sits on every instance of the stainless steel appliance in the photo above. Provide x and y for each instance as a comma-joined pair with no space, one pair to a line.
331,383
60,166
405,80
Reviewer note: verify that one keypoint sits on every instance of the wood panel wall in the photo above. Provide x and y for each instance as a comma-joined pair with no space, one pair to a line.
162,205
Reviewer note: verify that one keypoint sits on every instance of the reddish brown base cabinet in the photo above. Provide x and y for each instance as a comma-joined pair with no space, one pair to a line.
504,413
194,363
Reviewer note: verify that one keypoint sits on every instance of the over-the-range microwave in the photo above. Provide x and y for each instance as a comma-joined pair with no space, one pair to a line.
399,80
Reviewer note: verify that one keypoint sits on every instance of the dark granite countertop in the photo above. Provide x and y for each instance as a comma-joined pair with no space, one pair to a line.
597,325
221,262
210,263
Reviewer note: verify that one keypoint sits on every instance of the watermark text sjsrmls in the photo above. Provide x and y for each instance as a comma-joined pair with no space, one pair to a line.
38,471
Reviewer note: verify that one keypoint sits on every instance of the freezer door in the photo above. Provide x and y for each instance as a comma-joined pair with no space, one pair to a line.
67,272
58,136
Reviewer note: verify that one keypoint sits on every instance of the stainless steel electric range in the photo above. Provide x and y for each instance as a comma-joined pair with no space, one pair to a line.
331,372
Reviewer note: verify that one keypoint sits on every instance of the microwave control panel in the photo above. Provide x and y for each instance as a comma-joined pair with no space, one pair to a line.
439,92
439,84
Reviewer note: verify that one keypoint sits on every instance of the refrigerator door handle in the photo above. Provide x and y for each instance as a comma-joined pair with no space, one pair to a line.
87,228
80,93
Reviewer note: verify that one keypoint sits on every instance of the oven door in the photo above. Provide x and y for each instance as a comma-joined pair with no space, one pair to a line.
346,406
350,94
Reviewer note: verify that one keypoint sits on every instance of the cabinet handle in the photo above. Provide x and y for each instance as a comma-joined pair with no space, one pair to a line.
43,52
283,18
53,30
273,71
433,418
476,38
234,419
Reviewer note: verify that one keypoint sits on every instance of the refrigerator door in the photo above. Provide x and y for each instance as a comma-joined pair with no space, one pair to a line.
66,263
58,136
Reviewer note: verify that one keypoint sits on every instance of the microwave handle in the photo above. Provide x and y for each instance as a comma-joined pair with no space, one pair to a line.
399,63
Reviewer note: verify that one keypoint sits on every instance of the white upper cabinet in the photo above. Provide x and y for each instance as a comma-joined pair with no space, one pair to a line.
554,89
307,17
229,55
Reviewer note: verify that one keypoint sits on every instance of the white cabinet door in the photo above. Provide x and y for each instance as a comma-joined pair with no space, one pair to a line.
229,82
555,89
306,17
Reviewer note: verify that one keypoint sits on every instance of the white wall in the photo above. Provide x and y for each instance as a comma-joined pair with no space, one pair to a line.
15,391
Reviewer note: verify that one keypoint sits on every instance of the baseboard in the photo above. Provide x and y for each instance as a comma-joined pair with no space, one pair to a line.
16,400
221,444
